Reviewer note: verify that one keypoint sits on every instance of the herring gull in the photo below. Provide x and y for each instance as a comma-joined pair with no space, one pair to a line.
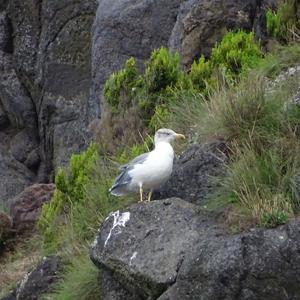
150,170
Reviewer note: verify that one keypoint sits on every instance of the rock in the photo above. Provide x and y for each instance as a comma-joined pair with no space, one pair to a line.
195,173
25,208
45,63
14,176
38,281
6,229
263,264
200,24
53,57
171,250
112,290
145,245
4,122
33,160
129,28
22,144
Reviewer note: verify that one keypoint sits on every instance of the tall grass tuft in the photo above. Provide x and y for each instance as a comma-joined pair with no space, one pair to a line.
80,281
261,128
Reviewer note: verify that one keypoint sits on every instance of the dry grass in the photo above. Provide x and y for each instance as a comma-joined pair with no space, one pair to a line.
114,130
16,263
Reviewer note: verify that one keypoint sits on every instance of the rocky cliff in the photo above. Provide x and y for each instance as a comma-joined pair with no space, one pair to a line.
45,81
56,56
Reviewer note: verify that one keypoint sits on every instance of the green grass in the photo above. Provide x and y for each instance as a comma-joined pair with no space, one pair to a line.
262,132
80,281
284,23
279,60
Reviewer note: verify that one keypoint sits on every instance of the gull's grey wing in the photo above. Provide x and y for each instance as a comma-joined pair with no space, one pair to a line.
119,186
137,160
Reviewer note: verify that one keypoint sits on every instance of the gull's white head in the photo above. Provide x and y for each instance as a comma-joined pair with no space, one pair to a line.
166,135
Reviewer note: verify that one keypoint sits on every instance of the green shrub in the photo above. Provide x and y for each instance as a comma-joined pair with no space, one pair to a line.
200,74
70,190
284,24
121,87
236,53
162,70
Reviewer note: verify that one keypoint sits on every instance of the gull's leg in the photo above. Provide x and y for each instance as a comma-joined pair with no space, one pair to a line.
141,193
149,196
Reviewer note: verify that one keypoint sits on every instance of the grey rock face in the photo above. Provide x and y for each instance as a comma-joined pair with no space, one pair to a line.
6,230
45,73
171,250
200,24
195,173
38,281
128,28
145,245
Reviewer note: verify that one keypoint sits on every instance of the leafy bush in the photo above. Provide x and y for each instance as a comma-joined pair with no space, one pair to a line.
284,24
237,53
80,202
120,88
200,74
162,70
70,191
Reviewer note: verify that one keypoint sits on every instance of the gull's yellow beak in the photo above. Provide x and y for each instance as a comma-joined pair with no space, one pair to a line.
180,136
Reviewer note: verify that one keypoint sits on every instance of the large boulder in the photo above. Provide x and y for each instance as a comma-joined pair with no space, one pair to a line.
145,245
130,28
202,23
38,281
171,250
45,62
195,173
26,207
14,176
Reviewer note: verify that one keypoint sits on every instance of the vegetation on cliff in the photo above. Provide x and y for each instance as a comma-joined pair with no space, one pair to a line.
227,95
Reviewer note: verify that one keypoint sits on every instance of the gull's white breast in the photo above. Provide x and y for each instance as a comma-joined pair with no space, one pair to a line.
155,170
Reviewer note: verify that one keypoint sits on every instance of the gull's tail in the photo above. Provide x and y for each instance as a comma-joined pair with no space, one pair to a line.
120,186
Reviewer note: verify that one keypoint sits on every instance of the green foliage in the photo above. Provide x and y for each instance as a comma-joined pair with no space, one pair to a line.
284,23
201,74
131,152
237,53
152,94
70,191
80,281
120,88
262,132
279,60
162,70
274,219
